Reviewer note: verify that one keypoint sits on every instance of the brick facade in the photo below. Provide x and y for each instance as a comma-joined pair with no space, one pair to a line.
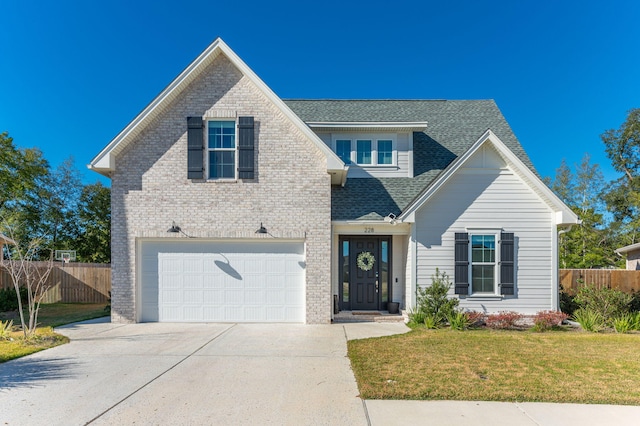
291,192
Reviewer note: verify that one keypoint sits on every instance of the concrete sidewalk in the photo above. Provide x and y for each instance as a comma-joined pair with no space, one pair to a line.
478,413
232,374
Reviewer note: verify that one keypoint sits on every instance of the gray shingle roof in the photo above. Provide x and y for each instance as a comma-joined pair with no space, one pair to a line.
453,126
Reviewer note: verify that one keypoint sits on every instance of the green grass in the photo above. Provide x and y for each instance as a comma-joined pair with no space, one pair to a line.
50,315
44,338
490,365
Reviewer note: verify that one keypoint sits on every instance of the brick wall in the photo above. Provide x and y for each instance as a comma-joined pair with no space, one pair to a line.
290,193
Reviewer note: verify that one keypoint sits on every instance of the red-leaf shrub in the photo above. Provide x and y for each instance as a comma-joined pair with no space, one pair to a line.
476,319
546,320
503,320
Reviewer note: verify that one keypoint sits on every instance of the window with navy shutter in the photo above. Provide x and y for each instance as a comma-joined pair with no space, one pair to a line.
507,264
195,148
461,276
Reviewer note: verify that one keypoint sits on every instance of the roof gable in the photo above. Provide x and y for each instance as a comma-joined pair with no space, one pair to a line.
564,215
104,162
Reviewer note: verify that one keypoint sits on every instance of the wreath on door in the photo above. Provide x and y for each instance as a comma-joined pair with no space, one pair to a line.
366,260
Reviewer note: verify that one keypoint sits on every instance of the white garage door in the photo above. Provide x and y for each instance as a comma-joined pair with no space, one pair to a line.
222,282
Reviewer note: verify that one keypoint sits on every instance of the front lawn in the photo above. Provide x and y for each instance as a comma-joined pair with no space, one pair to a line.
50,315
497,365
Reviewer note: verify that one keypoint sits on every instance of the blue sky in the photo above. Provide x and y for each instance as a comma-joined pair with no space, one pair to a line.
74,73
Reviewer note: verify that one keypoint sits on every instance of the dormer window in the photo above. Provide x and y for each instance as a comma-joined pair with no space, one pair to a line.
367,150
385,152
363,156
343,149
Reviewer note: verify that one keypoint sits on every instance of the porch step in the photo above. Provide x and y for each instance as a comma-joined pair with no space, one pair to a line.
367,316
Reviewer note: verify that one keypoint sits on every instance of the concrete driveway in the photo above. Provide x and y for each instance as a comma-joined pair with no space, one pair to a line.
188,374
230,374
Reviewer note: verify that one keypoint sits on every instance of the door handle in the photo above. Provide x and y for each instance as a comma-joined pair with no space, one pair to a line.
376,285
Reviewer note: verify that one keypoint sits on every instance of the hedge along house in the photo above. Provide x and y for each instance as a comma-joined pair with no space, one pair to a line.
230,204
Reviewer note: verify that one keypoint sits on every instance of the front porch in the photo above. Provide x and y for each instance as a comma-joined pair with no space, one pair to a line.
368,316
369,271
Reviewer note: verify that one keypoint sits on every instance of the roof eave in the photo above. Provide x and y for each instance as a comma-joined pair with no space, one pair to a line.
415,126
627,249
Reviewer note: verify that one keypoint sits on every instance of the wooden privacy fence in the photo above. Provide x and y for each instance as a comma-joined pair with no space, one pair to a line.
72,282
621,279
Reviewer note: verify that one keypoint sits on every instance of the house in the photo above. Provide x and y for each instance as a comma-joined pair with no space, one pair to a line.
231,204
633,256
5,241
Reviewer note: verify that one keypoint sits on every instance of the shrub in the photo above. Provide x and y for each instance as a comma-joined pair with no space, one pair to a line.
458,320
609,303
589,320
5,329
476,319
416,317
503,320
567,303
546,320
634,306
8,299
635,325
434,301
431,322
624,323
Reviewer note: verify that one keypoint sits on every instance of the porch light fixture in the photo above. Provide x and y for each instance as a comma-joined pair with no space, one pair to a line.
391,218
262,230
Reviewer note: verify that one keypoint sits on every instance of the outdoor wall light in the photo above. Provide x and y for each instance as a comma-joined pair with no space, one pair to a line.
262,230
174,228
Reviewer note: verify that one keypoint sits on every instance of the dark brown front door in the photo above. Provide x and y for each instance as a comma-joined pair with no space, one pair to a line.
364,274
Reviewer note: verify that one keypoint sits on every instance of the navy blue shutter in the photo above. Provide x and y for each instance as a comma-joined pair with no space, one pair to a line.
461,277
246,138
507,264
195,148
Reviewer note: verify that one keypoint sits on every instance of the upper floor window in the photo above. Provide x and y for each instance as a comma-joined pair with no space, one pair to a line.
221,149
366,151
385,152
363,154
343,149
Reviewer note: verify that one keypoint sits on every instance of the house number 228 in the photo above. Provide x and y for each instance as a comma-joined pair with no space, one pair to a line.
368,230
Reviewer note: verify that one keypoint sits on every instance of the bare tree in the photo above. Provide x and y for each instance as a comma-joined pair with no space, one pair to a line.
27,273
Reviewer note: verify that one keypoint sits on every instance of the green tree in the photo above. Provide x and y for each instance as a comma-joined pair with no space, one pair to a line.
623,195
20,170
49,211
94,220
587,245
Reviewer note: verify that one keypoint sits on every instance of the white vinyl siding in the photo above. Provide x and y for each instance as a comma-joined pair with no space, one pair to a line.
222,282
490,198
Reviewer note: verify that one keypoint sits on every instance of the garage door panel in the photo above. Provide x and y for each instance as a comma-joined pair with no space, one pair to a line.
229,282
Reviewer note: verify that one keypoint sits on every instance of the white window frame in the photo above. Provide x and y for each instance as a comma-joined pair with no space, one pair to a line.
374,138
210,150
496,261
